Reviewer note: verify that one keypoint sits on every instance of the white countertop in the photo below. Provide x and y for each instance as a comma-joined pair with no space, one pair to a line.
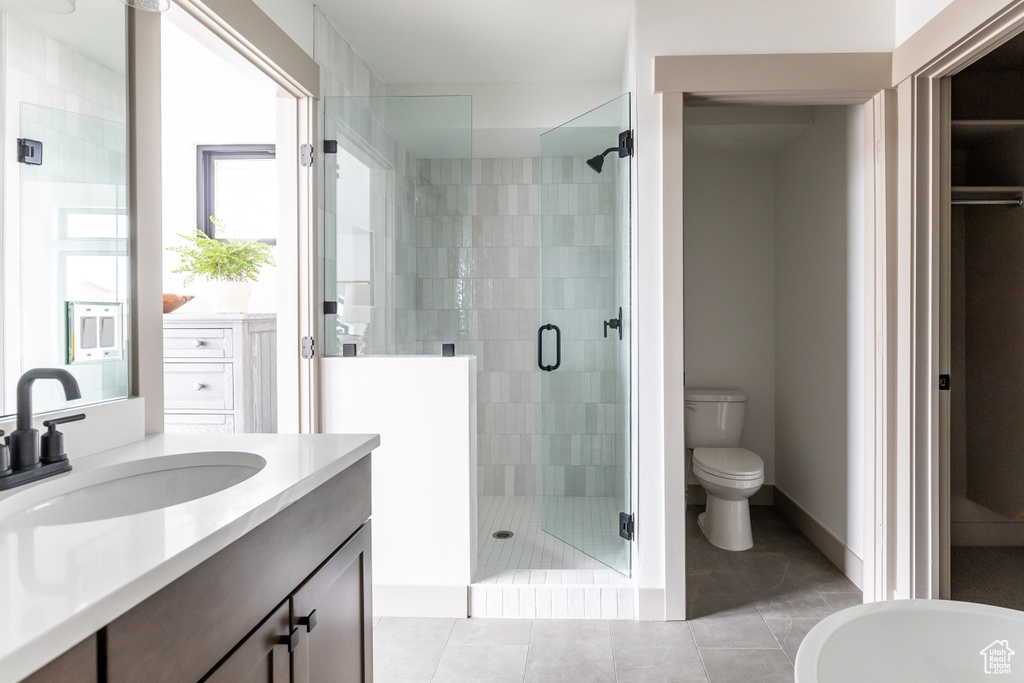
60,584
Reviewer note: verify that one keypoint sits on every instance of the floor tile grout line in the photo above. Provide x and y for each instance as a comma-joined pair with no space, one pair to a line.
529,646
699,655
444,649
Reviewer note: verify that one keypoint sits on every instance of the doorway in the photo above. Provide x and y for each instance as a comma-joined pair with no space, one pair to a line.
221,235
775,307
985,299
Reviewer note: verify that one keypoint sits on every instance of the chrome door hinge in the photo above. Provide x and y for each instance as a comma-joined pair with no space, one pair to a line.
626,526
30,152
306,345
306,154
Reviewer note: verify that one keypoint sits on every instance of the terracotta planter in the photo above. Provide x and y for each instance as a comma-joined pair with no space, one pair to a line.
229,297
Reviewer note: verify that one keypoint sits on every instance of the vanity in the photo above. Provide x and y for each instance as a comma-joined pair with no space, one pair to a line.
266,578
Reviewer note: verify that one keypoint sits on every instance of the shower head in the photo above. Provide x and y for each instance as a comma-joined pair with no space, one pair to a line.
625,149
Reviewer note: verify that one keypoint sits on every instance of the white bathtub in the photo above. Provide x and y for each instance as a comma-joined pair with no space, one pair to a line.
931,641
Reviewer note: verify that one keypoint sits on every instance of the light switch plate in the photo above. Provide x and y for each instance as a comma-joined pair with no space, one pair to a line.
95,331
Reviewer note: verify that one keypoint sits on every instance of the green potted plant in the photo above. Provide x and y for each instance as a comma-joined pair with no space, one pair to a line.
229,266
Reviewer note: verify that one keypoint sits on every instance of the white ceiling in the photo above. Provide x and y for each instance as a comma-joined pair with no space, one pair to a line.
486,41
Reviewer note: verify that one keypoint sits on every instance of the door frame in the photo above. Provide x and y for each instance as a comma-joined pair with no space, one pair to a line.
254,36
922,67
806,79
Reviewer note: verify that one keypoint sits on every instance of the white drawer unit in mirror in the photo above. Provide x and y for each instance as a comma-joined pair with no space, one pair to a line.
220,373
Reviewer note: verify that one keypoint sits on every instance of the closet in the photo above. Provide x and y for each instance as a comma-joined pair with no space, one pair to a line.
987,308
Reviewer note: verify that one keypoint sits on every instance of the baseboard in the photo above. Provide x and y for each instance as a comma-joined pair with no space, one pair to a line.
823,539
696,495
391,600
651,604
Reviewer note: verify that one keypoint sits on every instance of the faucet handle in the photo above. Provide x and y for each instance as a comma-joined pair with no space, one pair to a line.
52,424
52,442
5,456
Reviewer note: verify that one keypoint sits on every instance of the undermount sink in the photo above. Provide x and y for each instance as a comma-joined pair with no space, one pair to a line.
129,488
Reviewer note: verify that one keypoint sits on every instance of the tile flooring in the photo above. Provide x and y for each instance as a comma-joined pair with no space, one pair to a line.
748,613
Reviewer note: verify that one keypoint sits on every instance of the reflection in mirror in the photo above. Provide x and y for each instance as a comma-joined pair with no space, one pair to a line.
65,235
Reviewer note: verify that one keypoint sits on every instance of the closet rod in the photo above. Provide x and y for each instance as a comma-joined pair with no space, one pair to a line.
1001,202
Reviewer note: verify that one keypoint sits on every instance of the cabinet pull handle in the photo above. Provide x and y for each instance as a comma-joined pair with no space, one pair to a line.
198,386
291,640
197,343
309,622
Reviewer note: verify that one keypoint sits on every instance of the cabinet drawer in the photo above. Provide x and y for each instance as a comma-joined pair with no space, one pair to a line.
199,423
196,342
198,386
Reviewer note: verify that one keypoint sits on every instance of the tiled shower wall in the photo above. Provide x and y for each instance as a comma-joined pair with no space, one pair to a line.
479,282
480,269
583,430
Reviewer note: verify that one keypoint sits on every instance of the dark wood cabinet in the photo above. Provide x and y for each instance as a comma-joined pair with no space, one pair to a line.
332,611
321,634
79,664
262,657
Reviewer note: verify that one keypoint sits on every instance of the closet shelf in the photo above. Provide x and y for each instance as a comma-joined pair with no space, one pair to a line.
996,195
970,131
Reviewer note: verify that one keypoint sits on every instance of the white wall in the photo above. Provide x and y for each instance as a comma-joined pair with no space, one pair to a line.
295,17
818,449
729,280
206,101
694,27
424,473
508,118
913,14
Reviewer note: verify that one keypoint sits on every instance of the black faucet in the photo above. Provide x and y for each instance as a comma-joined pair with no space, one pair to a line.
23,445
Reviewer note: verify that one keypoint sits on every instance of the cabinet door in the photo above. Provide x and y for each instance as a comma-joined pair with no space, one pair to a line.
79,664
260,658
336,642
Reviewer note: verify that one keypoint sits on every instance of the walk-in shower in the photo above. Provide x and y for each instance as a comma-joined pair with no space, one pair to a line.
426,245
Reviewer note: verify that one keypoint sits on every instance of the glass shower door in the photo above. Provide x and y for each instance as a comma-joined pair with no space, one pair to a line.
583,343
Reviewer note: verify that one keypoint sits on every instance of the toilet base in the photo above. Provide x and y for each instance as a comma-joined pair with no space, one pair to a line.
726,524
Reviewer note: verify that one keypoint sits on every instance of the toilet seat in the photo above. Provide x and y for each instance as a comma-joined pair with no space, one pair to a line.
736,464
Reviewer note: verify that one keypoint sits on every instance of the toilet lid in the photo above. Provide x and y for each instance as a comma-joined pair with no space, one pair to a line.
729,463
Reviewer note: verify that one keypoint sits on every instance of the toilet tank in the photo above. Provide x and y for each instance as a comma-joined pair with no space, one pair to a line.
714,417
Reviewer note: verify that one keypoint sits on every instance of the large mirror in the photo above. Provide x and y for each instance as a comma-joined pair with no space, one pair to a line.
64,248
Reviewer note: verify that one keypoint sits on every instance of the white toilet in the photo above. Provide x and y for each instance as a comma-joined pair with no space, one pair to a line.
730,475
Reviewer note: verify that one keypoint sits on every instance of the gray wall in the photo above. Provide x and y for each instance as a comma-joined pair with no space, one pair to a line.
819,315
729,286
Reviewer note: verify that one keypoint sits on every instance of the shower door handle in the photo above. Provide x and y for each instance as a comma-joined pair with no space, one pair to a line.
615,324
540,347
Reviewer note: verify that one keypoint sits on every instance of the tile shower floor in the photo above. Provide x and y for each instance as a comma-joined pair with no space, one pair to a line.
748,613
530,551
